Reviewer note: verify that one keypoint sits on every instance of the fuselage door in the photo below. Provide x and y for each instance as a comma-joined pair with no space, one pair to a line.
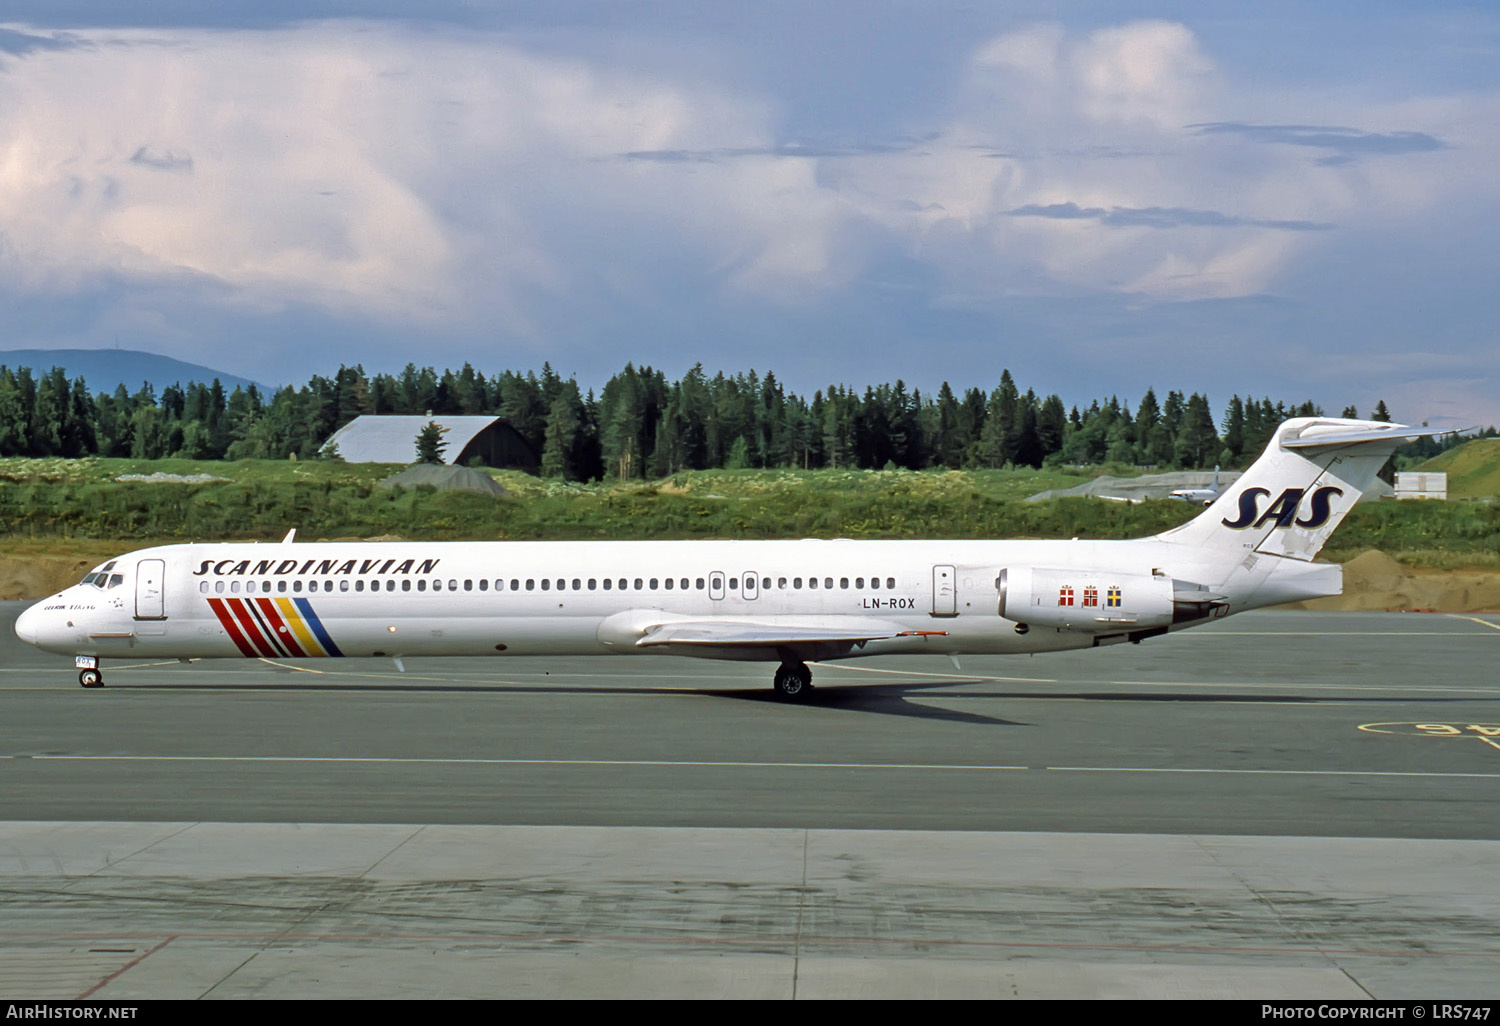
149,575
944,592
716,585
750,586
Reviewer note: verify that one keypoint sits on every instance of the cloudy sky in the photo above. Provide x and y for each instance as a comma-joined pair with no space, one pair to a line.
1284,199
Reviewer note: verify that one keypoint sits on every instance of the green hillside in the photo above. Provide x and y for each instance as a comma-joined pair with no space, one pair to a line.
1473,469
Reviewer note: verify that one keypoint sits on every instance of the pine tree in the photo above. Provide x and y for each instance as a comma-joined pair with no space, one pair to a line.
430,443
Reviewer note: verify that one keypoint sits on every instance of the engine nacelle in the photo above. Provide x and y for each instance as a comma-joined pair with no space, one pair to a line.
1085,600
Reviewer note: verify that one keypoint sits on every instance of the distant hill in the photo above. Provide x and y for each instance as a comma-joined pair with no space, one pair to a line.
105,369
1473,469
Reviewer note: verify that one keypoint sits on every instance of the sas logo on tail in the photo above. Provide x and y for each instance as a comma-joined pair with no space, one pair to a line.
1283,512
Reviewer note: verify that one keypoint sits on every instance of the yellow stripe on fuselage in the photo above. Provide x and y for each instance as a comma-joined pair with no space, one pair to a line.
293,619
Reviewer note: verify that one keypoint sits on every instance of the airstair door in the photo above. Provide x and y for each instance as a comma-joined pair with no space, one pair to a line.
149,574
944,592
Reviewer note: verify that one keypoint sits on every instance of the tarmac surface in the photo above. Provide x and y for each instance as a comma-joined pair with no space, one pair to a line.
1282,805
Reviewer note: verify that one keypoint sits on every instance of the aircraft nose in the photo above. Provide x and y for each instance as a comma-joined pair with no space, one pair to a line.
28,625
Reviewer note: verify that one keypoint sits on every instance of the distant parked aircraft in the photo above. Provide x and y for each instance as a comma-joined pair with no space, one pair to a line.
1199,496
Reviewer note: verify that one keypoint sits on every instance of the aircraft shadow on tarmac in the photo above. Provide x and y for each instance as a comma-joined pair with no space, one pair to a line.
884,699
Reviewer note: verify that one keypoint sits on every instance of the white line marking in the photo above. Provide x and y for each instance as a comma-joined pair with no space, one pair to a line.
1266,772
1206,635
667,763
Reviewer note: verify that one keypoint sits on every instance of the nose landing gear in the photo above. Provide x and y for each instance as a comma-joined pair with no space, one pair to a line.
89,674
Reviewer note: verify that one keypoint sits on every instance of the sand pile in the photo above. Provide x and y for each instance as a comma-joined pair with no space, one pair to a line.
33,577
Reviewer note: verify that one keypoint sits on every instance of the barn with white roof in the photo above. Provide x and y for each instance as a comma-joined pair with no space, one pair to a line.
383,438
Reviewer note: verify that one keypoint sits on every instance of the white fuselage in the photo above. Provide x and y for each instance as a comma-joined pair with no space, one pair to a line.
296,600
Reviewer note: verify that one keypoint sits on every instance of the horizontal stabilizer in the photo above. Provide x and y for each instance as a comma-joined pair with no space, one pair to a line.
1323,436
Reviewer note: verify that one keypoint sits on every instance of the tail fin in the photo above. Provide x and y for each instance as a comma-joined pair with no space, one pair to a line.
1291,499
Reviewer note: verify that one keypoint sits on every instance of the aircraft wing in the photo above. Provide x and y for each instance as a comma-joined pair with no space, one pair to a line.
731,633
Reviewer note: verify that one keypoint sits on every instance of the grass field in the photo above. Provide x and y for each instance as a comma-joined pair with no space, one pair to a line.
67,506
1473,469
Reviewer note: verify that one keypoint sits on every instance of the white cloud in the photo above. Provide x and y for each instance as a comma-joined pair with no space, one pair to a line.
473,184
373,169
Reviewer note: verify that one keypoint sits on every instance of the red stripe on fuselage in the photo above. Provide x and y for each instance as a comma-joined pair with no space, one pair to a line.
230,627
266,631
247,622
283,633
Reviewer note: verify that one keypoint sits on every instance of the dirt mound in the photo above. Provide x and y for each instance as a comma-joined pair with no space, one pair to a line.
32,577
1374,581
445,479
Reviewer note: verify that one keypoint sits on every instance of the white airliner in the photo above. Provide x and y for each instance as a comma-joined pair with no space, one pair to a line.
1199,496
787,602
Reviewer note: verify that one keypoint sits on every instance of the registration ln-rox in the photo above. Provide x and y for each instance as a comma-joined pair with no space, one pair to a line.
790,603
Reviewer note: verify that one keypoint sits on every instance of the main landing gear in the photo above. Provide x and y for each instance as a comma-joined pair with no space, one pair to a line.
793,682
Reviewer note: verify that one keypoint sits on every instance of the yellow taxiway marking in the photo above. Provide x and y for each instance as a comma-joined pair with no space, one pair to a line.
1475,619
1489,733
287,666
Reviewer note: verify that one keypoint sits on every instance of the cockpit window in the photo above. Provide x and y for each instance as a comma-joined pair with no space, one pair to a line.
100,578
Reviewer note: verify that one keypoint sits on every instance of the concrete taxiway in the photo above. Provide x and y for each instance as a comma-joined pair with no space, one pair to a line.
1282,805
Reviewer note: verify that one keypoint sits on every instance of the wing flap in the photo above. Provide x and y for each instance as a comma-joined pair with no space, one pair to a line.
730,633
